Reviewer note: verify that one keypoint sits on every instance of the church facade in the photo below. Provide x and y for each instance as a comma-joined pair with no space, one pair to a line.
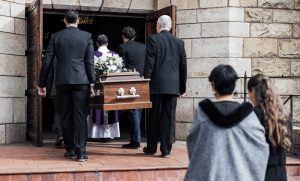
254,36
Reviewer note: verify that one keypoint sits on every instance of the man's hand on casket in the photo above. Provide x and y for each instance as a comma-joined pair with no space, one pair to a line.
42,91
92,91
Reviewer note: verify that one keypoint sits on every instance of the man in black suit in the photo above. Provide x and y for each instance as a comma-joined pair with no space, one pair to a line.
75,75
166,65
133,54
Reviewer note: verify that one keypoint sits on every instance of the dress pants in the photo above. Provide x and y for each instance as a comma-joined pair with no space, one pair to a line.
135,121
161,125
57,117
74,111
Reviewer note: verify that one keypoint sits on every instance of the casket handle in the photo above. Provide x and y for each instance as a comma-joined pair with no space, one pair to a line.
132,93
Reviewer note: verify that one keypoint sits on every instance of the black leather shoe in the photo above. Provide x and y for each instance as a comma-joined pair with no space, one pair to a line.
59,141
69,154
132,145
165,156
147,152
82,158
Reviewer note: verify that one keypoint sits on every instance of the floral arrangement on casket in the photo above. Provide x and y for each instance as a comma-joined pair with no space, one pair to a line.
111,63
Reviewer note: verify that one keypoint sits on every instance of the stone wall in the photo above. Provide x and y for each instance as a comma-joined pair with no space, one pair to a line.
12,71
254,36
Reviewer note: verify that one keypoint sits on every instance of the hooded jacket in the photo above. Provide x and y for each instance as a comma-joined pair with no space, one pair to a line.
226,143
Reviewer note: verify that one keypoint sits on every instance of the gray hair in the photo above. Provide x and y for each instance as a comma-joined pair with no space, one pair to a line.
165,22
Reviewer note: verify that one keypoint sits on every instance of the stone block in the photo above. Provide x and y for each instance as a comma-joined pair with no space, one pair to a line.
260,47
66,4
18,10
184,110
198,87
47,4
4,8
214,3
186,16
189,31
2,134
289,48
296,31
19,108
12,44
239,29
202,67
6,111
12,86
186,4
7,24
182,130
296,109
20,1
271,66
120,6
235,47
297,4
295,67
220,14
241,65
258,15
206,47
234,3
285,4
287,86
248,3
141,6
88,5
188,47
159,4
271,30
20,26
225,29
15,133
286,16
219,29
12,65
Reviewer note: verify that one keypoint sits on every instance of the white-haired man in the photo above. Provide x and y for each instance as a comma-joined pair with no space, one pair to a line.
165,65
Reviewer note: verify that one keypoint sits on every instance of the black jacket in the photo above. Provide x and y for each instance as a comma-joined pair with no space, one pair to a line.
165,64
133,54
74,51
277,159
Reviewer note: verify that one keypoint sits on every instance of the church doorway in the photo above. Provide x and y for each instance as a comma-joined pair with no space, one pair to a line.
110,25
42,22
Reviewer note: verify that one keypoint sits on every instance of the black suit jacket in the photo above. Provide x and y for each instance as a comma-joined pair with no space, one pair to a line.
165,64
133,53
74,51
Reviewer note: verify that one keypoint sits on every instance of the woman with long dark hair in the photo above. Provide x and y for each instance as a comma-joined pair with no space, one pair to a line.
269,110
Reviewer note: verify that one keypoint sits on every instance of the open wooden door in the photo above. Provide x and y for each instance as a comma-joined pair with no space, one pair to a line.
152,19
34,18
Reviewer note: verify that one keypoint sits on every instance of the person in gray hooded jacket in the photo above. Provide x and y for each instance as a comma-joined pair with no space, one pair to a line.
226,141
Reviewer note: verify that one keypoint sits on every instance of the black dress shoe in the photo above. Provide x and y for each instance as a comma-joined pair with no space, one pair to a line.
81,158
147,152
132,145
59,141
69,154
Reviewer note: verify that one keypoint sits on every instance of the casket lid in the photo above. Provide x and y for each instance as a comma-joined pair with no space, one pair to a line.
121,77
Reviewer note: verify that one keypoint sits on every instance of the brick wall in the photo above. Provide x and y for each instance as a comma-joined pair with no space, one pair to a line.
12,71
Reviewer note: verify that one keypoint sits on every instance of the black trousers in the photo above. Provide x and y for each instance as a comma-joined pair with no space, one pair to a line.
74,111
161,126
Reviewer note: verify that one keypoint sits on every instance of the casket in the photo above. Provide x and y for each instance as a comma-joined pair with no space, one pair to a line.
120,91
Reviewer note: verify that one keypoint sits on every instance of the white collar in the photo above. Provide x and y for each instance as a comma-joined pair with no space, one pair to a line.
103,49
